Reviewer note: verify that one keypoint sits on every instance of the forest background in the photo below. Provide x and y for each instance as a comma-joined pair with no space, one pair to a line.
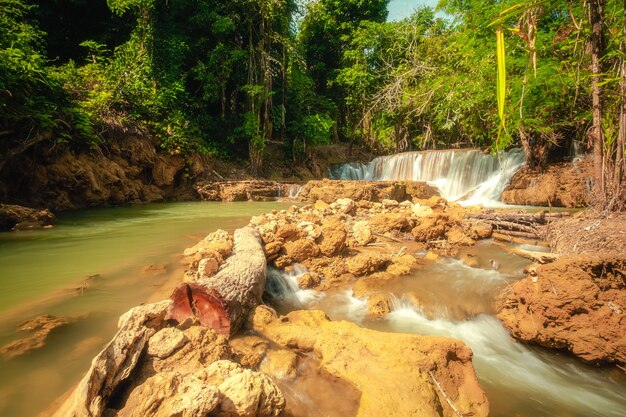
227,78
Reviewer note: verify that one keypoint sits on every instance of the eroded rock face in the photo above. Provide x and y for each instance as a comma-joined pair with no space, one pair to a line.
561,185
392,371
330,190
576,303
23,218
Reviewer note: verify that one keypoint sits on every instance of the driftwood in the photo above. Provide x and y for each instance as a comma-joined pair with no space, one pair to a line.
504,225
535,256
223,301
520,218
116,362
522,241
516,233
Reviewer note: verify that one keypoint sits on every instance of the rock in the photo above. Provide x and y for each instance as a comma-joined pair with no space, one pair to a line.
333,239
371,361
329,191
401,265
309,280
219,241
273,248
575,303
116,361
153,270
477,229
250,394
456,236
312,230
421,211
321,205
172,394
431,228
289,233
560,185
345,206
208,267
42,326
24,218
244,190
280,364
165,342
300,250
379,305
249,351
389,203
431,256
383,223
470,260
362,233
366,263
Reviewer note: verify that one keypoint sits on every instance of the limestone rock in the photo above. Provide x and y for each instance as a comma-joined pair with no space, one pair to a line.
383,223
345,206
372,362
576,303
477,229
301,250
249,351
250,394
456,236
309,280
333,239
431,228
280,364
165,342
421,211
379,305
366,263
362,233
22,218
41,327
290,233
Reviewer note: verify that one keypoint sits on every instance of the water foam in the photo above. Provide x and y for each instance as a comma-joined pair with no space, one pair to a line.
467,176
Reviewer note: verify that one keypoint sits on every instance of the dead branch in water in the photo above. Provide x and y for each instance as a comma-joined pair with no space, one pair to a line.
393,239
519,240
445,396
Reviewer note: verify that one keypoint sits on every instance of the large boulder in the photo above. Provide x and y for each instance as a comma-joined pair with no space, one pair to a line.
397,374
330,190
576,303
20,218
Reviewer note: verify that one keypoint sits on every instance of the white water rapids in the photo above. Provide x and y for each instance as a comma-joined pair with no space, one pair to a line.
519,380
468,176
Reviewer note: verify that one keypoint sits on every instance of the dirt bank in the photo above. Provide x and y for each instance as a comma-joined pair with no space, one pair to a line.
563,184
576,304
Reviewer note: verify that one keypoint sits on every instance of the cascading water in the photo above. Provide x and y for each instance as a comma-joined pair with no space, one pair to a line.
284,290
467,176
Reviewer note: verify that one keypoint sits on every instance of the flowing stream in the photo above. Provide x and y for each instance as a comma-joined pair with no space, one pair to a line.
468,176
448,298
92,267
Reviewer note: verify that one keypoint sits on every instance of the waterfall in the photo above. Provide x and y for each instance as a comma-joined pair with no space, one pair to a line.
467,176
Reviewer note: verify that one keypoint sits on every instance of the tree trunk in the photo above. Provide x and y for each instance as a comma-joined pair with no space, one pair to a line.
596,48
621,137
224,300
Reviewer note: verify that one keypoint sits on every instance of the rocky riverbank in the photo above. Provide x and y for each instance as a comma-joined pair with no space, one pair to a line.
243,376
577,303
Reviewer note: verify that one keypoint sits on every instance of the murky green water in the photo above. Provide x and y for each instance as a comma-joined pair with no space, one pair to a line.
89,268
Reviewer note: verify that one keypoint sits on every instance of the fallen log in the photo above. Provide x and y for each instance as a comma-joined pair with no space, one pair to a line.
530,219
535,256
519,240
504,225
223,301
529,235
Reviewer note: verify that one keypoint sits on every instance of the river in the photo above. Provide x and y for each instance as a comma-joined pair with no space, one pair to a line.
93,266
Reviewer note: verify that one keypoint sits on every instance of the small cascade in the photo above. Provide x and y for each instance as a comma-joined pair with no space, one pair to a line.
294,190
284,290
468,176
291,191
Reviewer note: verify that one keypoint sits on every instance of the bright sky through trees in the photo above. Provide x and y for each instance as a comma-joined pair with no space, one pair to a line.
399,9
